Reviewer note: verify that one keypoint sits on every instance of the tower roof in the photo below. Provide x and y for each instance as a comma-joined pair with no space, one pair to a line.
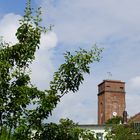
111,81
111,86
135,118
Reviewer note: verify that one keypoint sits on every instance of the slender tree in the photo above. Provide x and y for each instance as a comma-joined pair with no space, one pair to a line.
16,90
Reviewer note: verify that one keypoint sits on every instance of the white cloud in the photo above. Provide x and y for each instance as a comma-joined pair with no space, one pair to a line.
112,24
42,67
77,21
135,82
81,106
132,102
48,40
8,26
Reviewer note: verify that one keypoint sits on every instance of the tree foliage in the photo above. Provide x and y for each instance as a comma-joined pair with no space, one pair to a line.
66,130
16,90
122,132
115,120
5,134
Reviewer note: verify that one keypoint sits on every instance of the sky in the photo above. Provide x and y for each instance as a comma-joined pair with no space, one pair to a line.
110,24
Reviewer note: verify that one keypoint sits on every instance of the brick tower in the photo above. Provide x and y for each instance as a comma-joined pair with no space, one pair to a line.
111,100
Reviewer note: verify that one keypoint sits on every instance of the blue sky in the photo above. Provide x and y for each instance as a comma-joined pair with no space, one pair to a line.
14,6
112,24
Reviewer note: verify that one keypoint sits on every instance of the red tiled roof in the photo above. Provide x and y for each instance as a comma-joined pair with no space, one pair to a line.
135,118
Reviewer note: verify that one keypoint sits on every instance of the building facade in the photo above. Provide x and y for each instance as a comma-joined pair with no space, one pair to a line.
111,100
97,130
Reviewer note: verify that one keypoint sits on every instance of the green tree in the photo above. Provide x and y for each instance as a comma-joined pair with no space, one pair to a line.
122,132
66,130
16,90
115,120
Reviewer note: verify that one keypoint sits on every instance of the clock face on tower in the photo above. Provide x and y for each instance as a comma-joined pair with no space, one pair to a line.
114,114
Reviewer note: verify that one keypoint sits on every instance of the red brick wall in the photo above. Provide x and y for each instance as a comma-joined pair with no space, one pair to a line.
101,113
